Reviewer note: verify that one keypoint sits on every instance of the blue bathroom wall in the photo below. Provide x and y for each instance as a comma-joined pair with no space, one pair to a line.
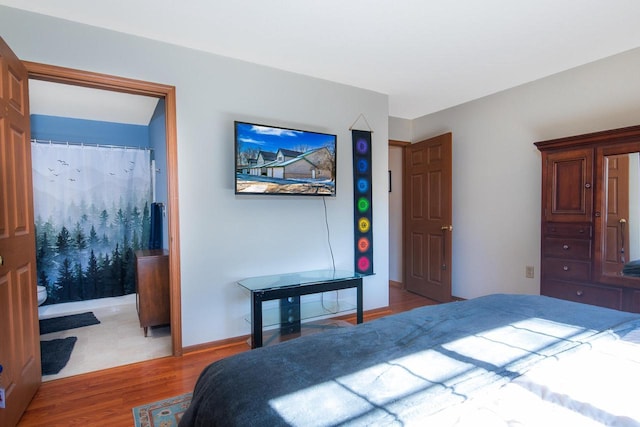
157,142
64,129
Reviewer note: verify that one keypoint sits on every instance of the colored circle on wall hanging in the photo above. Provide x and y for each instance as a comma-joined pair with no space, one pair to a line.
363,225
363,244
363,185
363,165
363,204
362,146
363,263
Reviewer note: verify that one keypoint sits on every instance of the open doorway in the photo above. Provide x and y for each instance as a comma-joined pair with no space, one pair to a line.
166,95
396,235
97,157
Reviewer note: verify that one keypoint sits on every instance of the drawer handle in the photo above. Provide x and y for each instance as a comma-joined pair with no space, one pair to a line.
579,293
565,247
565,268
587,185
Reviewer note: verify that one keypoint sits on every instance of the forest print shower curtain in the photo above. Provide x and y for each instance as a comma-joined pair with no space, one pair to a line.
92,212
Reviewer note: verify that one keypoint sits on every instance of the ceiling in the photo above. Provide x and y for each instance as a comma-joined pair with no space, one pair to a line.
55,99
426,55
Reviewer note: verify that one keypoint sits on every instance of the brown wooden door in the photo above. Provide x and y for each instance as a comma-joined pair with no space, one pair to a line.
428,218
616,236
19,328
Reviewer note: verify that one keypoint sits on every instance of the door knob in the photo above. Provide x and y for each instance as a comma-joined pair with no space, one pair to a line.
447,228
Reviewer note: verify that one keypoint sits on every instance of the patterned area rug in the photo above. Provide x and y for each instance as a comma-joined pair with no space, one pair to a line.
164,413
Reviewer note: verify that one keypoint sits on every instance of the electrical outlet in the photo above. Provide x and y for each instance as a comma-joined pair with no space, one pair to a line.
529,272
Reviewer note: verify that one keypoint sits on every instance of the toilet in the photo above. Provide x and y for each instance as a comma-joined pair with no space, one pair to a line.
42,294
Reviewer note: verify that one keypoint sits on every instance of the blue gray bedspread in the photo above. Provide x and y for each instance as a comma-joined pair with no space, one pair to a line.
399,369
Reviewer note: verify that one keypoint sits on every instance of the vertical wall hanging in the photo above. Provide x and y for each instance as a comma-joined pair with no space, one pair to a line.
362,201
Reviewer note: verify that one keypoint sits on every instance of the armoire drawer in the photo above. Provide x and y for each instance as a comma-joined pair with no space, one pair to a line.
609,297
558,247
563,269
563,229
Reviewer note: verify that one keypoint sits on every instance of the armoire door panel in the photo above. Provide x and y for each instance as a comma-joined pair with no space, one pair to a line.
571,177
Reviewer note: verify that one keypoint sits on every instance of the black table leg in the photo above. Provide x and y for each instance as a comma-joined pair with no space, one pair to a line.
256,320
359,317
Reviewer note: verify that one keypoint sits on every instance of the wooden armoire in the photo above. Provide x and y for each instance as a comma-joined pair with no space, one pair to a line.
590,232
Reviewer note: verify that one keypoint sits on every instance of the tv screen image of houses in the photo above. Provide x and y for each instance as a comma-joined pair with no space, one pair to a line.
282,161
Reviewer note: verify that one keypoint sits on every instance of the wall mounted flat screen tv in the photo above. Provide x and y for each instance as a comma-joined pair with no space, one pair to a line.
274,160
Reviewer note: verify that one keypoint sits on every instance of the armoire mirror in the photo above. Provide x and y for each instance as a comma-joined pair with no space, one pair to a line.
618,219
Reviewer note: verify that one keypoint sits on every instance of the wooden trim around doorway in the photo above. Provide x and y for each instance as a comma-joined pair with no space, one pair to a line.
394,143
93,80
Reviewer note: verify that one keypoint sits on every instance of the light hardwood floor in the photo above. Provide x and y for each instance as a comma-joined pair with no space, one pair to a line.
107,397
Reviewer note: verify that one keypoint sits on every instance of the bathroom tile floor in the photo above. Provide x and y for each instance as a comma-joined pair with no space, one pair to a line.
117,340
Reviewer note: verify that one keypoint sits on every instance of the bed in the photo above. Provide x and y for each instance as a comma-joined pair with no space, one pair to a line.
494,360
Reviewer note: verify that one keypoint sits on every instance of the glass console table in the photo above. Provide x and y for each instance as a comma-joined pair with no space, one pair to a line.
288,288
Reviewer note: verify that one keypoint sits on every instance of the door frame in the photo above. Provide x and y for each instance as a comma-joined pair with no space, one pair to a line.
56,74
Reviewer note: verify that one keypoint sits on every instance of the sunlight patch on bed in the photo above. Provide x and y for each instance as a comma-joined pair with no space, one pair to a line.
513,343
568,382
564,392
333,403
418,381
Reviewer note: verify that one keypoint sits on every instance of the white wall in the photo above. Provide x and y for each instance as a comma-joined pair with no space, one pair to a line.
497,170
400,129
226,237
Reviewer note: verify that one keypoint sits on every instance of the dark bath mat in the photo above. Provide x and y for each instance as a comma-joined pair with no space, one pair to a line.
55,354
63,323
